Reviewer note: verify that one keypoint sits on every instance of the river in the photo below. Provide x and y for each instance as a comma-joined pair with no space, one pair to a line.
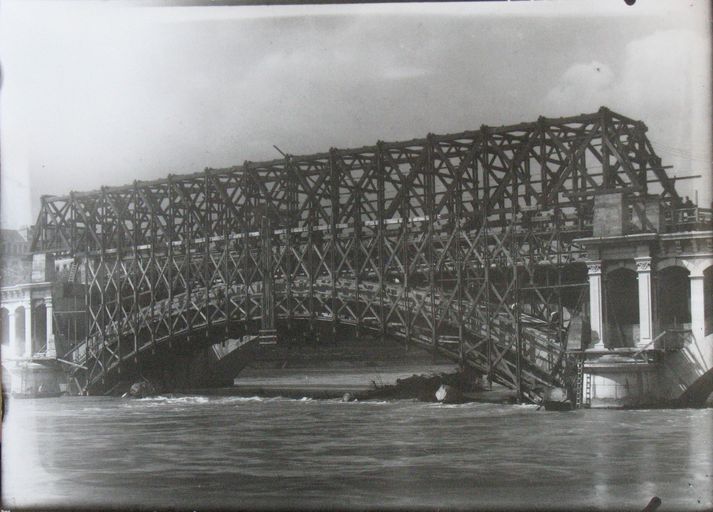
206,452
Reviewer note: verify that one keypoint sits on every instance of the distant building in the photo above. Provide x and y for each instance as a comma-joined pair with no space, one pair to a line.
13,243
15,261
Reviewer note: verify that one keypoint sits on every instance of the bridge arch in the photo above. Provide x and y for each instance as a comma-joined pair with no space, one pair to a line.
407,318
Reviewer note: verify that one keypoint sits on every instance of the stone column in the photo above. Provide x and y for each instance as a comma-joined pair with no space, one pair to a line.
596,309
28,328
12,349
51,350
704,347
698,320
646,315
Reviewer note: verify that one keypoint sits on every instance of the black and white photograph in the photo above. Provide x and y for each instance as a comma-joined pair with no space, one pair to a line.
356,256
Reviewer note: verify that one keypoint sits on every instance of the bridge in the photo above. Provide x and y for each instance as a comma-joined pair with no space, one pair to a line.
485,246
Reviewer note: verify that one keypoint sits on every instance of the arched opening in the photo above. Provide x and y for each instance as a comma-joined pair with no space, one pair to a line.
674,298
39,328
622,308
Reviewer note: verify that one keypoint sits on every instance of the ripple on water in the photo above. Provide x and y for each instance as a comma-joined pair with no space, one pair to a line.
226,452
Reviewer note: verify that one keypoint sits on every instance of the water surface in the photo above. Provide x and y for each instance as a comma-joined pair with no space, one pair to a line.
231,452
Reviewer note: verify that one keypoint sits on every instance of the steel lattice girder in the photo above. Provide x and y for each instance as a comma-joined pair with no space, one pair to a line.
550,163
420,230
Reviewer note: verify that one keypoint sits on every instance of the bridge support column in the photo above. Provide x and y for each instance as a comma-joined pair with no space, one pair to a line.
51,349
268,333
28,329
596,309
646,316
14,350
698,322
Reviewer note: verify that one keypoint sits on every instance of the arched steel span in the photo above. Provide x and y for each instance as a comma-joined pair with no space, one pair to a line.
481,224
103,356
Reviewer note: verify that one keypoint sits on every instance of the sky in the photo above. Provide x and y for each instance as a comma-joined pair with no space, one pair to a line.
107,92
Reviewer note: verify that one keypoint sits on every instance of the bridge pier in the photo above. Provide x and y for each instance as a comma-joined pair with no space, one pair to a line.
649,340
23,301
30,364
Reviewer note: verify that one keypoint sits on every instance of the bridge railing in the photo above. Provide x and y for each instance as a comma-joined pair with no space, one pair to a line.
688,218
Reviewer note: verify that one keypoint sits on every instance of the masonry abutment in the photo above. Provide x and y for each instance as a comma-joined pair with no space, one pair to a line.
30,362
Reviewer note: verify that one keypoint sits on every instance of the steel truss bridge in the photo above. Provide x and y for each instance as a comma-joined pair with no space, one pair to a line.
463,243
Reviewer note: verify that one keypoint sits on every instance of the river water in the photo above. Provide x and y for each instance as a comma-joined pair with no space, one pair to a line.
231,452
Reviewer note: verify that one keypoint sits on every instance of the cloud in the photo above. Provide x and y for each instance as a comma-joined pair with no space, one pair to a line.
662,79
111,94
589,82
659,73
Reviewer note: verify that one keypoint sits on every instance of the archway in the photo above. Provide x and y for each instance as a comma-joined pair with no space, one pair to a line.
674,298
39,328
622,308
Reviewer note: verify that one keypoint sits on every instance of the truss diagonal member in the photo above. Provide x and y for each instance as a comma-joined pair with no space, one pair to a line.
574,155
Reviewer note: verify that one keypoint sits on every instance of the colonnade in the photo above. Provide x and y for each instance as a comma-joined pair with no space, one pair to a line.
24,347
648,323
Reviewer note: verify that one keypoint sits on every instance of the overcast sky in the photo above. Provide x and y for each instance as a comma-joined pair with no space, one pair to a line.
103,93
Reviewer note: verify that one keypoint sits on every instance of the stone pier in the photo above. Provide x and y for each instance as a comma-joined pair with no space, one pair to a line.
650,310
29,356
